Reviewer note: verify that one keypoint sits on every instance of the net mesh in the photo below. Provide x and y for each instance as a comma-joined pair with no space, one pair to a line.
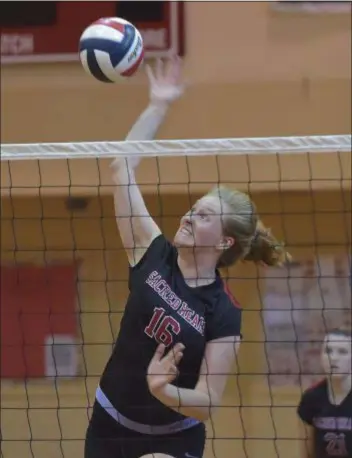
64,281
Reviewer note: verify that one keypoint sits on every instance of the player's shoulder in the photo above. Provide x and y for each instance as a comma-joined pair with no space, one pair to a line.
159,249
316,392
225,318
312,400
227,301
160,243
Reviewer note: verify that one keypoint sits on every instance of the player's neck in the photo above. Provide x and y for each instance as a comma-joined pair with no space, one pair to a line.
197,268
339,388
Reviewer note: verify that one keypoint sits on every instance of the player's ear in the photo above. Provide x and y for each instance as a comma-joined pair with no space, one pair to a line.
226,243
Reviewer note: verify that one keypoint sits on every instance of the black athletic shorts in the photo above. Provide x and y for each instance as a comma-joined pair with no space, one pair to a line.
105,438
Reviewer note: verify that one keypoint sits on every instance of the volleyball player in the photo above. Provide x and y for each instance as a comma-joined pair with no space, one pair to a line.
326,408
180,330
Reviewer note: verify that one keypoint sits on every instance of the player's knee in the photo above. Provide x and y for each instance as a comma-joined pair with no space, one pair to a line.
157,455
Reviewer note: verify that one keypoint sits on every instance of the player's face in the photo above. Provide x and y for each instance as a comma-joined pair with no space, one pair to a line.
202,226
336,356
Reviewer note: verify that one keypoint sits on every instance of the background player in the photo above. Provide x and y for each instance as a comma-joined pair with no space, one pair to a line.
326,408
179,325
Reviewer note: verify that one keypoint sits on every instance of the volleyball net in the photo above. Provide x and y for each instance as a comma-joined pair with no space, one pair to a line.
64,280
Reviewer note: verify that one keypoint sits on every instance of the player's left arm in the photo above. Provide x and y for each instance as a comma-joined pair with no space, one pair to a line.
220,355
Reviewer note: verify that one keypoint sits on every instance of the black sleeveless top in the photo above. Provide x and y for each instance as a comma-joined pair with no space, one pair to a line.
332,423
161,307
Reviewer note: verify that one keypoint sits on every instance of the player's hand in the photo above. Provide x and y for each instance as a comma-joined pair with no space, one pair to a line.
165,80
163,368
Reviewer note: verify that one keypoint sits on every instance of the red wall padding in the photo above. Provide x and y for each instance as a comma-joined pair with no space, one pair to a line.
36,302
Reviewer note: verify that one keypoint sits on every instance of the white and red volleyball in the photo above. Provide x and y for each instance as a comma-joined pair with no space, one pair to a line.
111,48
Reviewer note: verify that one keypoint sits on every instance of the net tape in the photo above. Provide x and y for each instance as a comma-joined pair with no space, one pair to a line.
195,147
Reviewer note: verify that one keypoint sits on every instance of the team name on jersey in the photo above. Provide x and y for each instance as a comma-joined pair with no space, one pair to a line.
336,423
164,291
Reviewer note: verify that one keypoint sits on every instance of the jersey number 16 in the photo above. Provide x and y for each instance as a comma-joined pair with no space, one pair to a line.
162,327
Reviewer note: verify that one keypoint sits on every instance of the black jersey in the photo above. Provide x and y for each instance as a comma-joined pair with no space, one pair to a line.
162,308
332,423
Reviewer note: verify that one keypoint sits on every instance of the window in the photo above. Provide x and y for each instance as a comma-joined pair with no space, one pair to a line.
142,11
27,14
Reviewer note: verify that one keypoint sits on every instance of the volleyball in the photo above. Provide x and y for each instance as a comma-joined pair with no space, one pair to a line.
111,49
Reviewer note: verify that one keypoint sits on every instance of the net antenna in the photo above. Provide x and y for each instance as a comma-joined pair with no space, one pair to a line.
198,147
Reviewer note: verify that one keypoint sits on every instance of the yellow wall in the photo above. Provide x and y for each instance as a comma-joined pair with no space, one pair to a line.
310,222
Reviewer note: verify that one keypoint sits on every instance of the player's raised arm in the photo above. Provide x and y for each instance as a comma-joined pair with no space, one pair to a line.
137,228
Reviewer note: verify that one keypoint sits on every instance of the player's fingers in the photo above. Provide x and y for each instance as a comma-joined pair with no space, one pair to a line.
169,357
150,73
176,68
178,357
179,347
159,69
170,70
173,352
159,352
173,370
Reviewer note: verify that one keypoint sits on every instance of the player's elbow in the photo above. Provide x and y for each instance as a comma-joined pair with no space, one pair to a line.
209,414
205,413
119,170
123,172
212,402
200,413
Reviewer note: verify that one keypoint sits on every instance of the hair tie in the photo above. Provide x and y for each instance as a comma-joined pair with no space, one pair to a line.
255,237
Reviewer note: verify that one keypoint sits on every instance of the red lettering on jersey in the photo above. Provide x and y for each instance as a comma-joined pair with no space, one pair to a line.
162,327
185,312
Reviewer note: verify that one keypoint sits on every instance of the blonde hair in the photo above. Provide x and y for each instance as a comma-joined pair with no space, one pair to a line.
253,241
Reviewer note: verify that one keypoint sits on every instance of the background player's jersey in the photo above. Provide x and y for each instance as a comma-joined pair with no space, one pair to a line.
332,423
162,308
